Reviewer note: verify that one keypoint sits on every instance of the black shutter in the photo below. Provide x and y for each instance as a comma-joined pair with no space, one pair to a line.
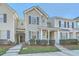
8,34
38,35
37,20
5,18
59,23
29,19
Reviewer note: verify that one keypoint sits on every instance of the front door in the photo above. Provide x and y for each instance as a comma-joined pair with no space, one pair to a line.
20,38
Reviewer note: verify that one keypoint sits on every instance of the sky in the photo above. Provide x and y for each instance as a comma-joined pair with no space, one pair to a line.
52,9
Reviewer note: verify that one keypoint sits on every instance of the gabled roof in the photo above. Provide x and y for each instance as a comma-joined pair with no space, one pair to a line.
38,9
9,8
76,18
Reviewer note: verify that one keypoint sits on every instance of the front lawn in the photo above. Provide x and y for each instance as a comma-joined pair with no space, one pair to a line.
3,49
38,49
72,47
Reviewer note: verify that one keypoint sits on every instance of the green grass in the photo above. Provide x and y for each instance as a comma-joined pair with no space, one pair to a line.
2,51
38,49
4,48
72,47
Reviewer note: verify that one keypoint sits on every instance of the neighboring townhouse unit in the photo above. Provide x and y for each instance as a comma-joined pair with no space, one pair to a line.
39,27
8,24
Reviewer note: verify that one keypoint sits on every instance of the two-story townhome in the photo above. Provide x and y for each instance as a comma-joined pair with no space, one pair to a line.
38,26
8,24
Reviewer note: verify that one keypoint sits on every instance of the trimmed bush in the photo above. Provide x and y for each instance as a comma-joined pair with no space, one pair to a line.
51,42
41,42
68,41
32,42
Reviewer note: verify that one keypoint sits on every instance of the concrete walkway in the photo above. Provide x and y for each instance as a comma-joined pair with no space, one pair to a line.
66,51
13,51
45,54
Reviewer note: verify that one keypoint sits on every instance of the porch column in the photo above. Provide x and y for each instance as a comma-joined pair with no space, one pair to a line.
19,39
48,36
57,37
74,35
41,34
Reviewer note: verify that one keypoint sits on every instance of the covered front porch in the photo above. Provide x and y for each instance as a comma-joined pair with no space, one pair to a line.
20,36
44,36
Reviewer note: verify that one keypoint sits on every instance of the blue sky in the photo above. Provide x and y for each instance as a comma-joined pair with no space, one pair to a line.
52,9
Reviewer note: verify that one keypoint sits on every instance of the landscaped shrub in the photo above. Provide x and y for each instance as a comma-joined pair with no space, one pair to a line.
68,41
32,42
41,42
51,42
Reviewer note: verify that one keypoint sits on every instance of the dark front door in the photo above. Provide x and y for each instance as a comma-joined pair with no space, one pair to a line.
22,38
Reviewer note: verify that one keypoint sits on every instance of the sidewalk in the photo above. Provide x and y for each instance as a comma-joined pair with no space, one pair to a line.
66,51
13,51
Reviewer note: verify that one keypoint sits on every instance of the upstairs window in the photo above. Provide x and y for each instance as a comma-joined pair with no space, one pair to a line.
77,24
1,18
33,20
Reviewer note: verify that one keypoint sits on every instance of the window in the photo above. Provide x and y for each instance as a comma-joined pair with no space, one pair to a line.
70,35
72,24
65,24
8,34
32,35
33,20
1,18
77,24
44,34
63,35
59,23
3,34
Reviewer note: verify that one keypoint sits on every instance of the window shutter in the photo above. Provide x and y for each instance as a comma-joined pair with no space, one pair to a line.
37,20
59,23
72,24
65,24
8,34
5,18
29,34
37,34
29,19
68,24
